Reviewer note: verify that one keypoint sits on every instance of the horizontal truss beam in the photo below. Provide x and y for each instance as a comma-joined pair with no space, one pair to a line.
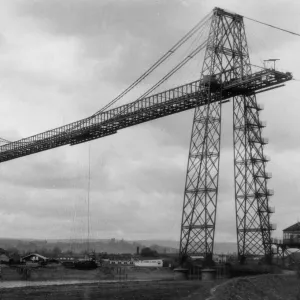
169,102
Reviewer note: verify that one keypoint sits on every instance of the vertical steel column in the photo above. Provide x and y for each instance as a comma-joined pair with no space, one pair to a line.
226,61
251,193
201,189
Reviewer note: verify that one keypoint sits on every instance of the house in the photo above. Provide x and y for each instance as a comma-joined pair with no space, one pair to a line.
34,257
220,258
70,257
197,257
4,258
291,235
121,262
149,263
14,258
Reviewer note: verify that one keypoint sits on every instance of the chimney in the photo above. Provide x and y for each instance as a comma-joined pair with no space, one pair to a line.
137,250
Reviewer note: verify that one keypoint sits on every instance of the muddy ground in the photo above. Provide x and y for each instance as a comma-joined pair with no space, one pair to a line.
159,290
262,287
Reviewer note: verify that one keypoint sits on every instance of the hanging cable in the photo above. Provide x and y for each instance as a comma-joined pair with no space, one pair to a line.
294,33
88,198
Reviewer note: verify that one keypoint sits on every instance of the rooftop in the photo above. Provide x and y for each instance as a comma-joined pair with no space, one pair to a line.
35,254
295,227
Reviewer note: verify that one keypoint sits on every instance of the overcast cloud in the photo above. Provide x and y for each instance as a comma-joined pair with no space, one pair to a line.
63,60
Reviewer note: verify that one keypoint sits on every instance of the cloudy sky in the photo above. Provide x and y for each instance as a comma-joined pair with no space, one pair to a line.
63,60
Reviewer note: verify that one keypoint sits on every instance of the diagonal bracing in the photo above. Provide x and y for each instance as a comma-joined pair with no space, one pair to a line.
226,62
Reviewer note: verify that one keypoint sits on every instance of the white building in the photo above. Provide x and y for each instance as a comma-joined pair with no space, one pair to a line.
219,258
149,263
4,258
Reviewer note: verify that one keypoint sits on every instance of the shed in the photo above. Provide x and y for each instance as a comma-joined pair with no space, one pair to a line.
4,258
34,257
292,233
72,257
2,251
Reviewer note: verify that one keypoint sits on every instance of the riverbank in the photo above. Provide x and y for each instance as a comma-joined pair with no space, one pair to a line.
262,287
59,272
150,290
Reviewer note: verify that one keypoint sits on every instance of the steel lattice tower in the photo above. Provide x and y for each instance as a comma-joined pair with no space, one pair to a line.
226,60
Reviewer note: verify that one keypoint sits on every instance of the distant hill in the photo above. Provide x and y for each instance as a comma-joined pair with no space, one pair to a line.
77,246
107,245
162,243
219,247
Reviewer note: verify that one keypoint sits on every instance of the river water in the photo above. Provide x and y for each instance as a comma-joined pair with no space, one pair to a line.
101,289
22,283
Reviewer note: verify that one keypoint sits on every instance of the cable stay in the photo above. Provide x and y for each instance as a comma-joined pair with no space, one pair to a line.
4,141
288,31
167,76
144,109
170,52
199,26
62,132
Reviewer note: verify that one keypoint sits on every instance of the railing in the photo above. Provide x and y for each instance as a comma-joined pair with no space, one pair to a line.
293,241
271,210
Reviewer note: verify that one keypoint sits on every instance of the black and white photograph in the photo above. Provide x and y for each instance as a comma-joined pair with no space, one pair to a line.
149,149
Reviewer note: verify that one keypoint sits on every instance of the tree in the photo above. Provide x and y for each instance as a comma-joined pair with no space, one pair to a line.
69,252
12,251
148,252
56,251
